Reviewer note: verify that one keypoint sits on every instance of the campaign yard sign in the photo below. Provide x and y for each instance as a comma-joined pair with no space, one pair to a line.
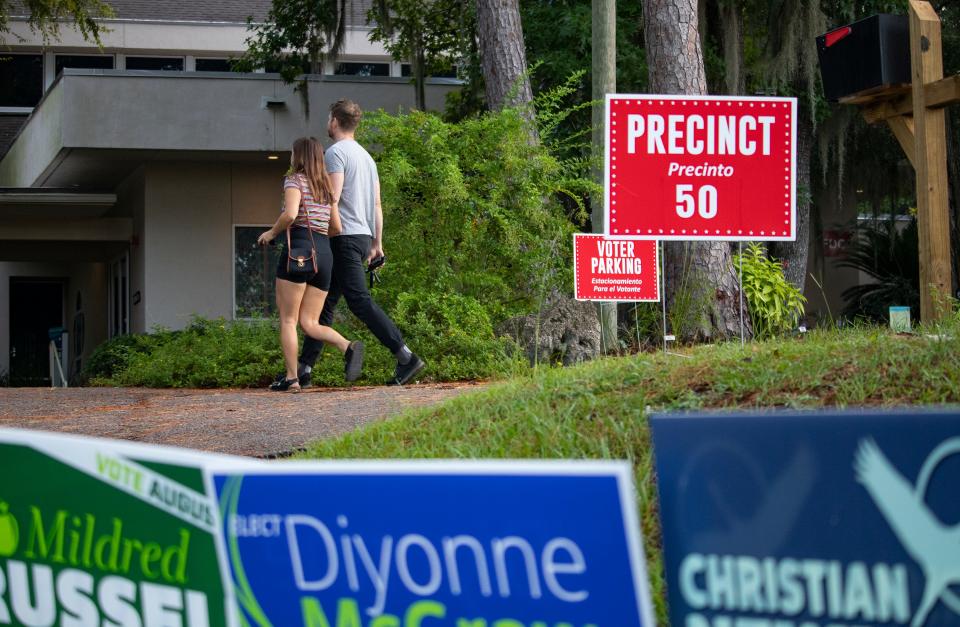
615,270
811,519
700,167
98,532
465,544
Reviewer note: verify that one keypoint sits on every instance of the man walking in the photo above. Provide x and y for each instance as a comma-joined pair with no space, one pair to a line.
355,182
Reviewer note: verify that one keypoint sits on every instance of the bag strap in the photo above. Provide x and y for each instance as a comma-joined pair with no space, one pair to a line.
306,209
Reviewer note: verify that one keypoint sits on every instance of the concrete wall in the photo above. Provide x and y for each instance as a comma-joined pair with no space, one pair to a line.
186,242
256,192
9,127
87,279
213,113
170,113
38,145
190,210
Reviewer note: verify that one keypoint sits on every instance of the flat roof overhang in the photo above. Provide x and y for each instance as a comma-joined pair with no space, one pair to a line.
42,203
94,127
60,251
60,225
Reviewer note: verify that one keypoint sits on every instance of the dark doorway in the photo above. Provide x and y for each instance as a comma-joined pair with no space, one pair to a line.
36,305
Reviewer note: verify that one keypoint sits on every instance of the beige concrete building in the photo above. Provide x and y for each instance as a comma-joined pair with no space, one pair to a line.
134,179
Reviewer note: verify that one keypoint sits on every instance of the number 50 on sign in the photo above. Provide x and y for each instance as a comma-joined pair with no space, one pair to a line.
700,168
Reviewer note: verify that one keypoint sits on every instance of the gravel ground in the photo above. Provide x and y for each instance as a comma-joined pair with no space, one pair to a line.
238,422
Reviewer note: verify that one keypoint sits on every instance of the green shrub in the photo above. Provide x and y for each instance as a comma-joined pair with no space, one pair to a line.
113,356
208,353
775,304
471,209
454,334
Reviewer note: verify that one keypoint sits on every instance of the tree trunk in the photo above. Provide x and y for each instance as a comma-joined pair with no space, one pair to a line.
701,284
502,54
794,254
731,25
604,52
419,77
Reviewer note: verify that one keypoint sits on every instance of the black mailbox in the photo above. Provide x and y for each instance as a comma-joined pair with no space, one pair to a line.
866,55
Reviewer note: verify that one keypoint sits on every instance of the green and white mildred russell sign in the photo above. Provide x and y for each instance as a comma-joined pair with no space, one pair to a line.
99,533
95,532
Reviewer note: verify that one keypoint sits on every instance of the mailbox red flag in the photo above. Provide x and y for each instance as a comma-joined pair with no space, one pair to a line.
700,168
615,270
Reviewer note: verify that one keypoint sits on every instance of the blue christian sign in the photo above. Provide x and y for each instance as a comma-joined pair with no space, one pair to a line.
465,544
811,519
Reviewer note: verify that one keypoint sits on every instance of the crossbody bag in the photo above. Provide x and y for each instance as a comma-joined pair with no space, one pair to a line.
302,261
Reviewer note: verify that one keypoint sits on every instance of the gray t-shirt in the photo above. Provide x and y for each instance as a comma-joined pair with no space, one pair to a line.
358,209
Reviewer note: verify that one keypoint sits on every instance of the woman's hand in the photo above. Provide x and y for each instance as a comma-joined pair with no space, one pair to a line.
266,237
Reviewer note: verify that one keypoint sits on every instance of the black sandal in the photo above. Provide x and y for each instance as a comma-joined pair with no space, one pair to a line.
286,385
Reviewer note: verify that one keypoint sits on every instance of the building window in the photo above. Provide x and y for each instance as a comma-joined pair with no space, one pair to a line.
363,69
254,273
213,65
21,79
174,64
275,68
406,71
83,61
118,296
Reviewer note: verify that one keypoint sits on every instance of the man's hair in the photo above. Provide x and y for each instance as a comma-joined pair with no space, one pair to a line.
347,113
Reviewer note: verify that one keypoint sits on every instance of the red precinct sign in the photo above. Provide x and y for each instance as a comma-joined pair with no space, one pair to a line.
615,270
700,168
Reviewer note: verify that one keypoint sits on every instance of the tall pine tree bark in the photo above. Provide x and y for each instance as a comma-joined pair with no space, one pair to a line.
701,283
604,52
731,24
502,53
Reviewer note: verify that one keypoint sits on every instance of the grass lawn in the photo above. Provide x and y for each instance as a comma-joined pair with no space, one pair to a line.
600,409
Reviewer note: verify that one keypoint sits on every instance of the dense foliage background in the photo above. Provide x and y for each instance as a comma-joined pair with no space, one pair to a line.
479,217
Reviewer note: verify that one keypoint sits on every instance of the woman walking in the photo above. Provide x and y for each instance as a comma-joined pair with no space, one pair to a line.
309,216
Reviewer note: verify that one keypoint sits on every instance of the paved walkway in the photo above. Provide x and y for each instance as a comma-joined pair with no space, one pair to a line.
240,422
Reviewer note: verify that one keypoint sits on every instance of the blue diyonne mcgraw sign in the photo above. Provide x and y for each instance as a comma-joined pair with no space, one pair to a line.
811,519
464,544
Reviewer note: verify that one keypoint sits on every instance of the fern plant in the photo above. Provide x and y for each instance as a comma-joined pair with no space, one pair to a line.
775,304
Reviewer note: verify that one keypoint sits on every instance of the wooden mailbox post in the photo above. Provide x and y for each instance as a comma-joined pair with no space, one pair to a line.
916,116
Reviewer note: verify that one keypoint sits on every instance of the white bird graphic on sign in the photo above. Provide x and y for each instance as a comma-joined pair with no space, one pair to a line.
933,545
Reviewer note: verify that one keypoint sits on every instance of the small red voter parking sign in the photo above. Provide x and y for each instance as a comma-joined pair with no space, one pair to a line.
700,168
615,270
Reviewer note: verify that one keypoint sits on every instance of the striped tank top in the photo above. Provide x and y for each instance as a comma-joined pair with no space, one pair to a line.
319,213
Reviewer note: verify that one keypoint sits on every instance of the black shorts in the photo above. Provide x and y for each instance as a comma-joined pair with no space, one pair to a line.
300,238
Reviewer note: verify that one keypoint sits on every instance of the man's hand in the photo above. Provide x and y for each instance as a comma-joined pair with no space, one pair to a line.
376,250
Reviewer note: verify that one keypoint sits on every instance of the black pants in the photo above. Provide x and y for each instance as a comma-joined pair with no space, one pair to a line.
350,281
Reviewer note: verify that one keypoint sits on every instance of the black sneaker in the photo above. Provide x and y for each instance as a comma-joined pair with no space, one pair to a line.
405,372
304,377
353,361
